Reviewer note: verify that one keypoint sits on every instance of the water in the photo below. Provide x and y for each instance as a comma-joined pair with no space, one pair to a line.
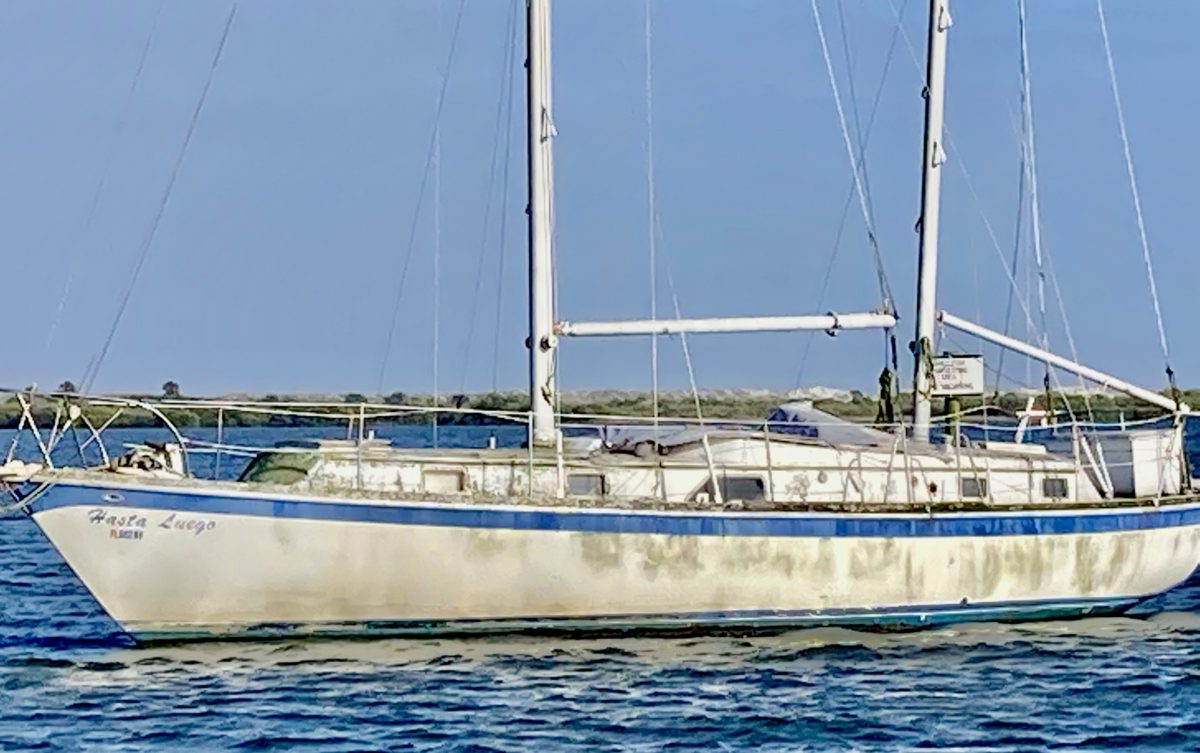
69,681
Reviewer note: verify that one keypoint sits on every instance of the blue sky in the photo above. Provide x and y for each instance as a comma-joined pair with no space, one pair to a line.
278,258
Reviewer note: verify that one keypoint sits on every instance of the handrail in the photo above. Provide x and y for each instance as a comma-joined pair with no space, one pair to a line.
363,412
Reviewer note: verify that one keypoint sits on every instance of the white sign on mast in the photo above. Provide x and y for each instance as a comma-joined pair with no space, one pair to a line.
958,376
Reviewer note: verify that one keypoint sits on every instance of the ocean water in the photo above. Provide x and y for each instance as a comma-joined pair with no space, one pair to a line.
70,681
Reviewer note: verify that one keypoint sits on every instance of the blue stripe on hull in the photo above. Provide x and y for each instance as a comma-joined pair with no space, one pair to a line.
901,618
948,524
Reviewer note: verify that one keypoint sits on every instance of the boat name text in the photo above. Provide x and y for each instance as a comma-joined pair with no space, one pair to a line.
134,525
194,526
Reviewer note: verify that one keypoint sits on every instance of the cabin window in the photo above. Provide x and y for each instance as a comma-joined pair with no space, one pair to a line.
442,481
976,488
740,487
1055,488
585,484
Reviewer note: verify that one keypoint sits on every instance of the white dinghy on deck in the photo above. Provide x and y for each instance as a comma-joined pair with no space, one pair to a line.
796,521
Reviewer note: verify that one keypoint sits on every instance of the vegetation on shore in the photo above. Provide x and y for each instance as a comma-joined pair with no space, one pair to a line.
854,405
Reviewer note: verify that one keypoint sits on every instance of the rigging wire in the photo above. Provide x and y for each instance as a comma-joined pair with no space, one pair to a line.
885,291
687,353
864,141
652,208
505,196
1030,329
424,184
858,169
1133,187
856,120
1030,164
837,244
959,344
1014,286
691,371
94,367
549,133
978,203
890,355
1016,256
501,136
654,235
86,227
437,272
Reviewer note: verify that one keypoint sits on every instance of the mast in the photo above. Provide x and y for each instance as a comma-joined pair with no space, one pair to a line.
933,158
540,131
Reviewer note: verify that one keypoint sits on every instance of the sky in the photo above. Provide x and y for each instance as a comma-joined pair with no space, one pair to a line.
279,257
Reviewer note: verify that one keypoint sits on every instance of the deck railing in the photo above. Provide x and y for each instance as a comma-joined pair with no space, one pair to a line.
88,420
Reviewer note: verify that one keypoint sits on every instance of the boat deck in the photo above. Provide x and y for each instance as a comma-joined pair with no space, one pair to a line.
105,478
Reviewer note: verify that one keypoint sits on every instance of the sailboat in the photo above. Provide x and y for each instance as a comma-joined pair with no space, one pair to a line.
799,521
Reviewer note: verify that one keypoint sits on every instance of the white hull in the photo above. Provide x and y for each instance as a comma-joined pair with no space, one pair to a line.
166,563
